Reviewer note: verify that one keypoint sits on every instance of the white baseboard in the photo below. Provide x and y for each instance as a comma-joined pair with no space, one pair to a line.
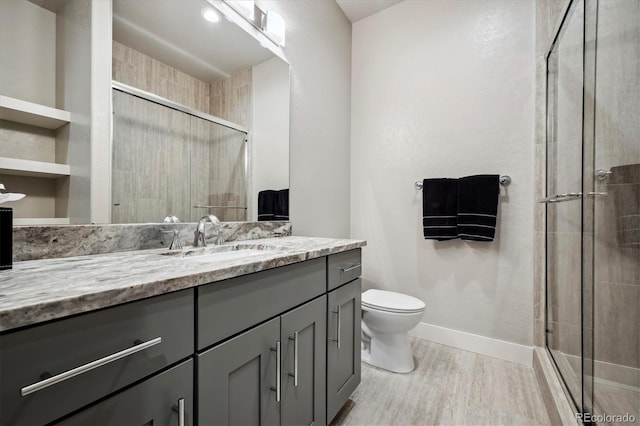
500,349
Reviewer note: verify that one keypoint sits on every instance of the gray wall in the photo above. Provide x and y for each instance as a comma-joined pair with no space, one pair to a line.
318,48
449,94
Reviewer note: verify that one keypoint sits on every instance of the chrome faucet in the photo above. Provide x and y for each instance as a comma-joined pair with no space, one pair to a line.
175,241
200,230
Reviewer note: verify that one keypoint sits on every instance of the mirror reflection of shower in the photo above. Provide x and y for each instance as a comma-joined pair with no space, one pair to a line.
232,78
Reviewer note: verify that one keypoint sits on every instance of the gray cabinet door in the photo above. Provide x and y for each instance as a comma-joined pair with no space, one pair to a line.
235,379
343,345
155,401
304,364
31,355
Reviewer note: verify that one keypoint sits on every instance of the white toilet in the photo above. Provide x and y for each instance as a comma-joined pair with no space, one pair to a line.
387,318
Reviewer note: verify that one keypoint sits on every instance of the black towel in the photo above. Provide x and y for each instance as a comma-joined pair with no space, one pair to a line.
281,210
439,209
478,207
266,205
273,205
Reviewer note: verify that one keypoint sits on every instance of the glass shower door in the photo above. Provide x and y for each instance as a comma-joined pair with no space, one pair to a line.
565,103
593,208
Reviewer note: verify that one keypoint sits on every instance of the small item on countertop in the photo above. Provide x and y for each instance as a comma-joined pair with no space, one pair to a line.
6,228
6,238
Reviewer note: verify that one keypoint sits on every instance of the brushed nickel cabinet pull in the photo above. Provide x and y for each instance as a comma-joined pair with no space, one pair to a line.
88,367
343,269
276,389
295,358
181,412
339,312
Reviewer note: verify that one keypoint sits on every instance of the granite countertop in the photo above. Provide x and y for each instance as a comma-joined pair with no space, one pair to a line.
41,290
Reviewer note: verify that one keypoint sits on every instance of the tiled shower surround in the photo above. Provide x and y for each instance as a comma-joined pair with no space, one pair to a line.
187,160
612,274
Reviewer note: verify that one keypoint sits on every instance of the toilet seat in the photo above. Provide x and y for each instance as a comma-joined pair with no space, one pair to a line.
390,301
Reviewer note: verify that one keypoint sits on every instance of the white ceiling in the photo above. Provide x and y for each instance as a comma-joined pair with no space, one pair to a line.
360,9
174,32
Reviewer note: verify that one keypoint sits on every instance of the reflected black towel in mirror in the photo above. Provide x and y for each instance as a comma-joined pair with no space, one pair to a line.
439,209
281,210
273,205
478,207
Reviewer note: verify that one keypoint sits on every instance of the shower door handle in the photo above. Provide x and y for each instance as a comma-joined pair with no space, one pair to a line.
568,196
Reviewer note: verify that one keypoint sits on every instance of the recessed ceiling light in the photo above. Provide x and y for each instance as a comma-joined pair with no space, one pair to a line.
210,15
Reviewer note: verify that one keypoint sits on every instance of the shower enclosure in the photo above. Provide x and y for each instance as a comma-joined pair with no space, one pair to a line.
593,208
172,160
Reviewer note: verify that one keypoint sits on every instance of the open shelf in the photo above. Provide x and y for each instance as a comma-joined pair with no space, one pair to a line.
17,167
24,112
31,221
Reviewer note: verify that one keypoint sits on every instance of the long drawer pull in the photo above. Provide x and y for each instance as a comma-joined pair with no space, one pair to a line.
88,367
350,268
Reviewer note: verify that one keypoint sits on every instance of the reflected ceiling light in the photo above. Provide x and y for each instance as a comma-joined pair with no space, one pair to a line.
274,27
210,15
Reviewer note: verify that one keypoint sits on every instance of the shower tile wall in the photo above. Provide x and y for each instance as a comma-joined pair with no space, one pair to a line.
217,169
139,70
617,216
151,151
231,98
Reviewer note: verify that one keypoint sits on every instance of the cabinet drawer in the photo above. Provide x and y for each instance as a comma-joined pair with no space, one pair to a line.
229,307
155,401
343,267
74,345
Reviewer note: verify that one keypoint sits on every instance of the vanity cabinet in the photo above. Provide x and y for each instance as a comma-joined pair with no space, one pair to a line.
280,346
51,370
272,374
343,344
165,399
246,379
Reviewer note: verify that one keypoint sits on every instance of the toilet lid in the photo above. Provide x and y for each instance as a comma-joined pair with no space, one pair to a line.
391,301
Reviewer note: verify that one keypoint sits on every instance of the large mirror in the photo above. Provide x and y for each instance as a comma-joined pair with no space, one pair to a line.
200,116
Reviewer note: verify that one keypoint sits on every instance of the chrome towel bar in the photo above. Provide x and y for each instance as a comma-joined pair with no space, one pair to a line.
504,180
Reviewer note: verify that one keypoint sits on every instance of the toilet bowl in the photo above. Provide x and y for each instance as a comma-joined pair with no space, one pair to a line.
387,317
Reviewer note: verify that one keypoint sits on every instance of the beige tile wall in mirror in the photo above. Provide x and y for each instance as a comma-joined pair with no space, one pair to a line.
167,162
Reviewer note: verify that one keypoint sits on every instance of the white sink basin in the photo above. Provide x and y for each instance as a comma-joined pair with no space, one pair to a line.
213,253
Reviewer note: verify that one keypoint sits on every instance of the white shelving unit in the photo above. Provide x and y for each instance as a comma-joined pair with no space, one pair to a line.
18,167
19,111
31,221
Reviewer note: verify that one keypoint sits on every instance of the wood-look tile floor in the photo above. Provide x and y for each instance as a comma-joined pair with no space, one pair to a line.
448,387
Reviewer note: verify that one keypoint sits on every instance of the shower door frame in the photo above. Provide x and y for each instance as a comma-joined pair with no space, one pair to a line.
583,403
152,97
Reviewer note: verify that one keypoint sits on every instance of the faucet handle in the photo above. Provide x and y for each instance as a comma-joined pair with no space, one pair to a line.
175,241
171,219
